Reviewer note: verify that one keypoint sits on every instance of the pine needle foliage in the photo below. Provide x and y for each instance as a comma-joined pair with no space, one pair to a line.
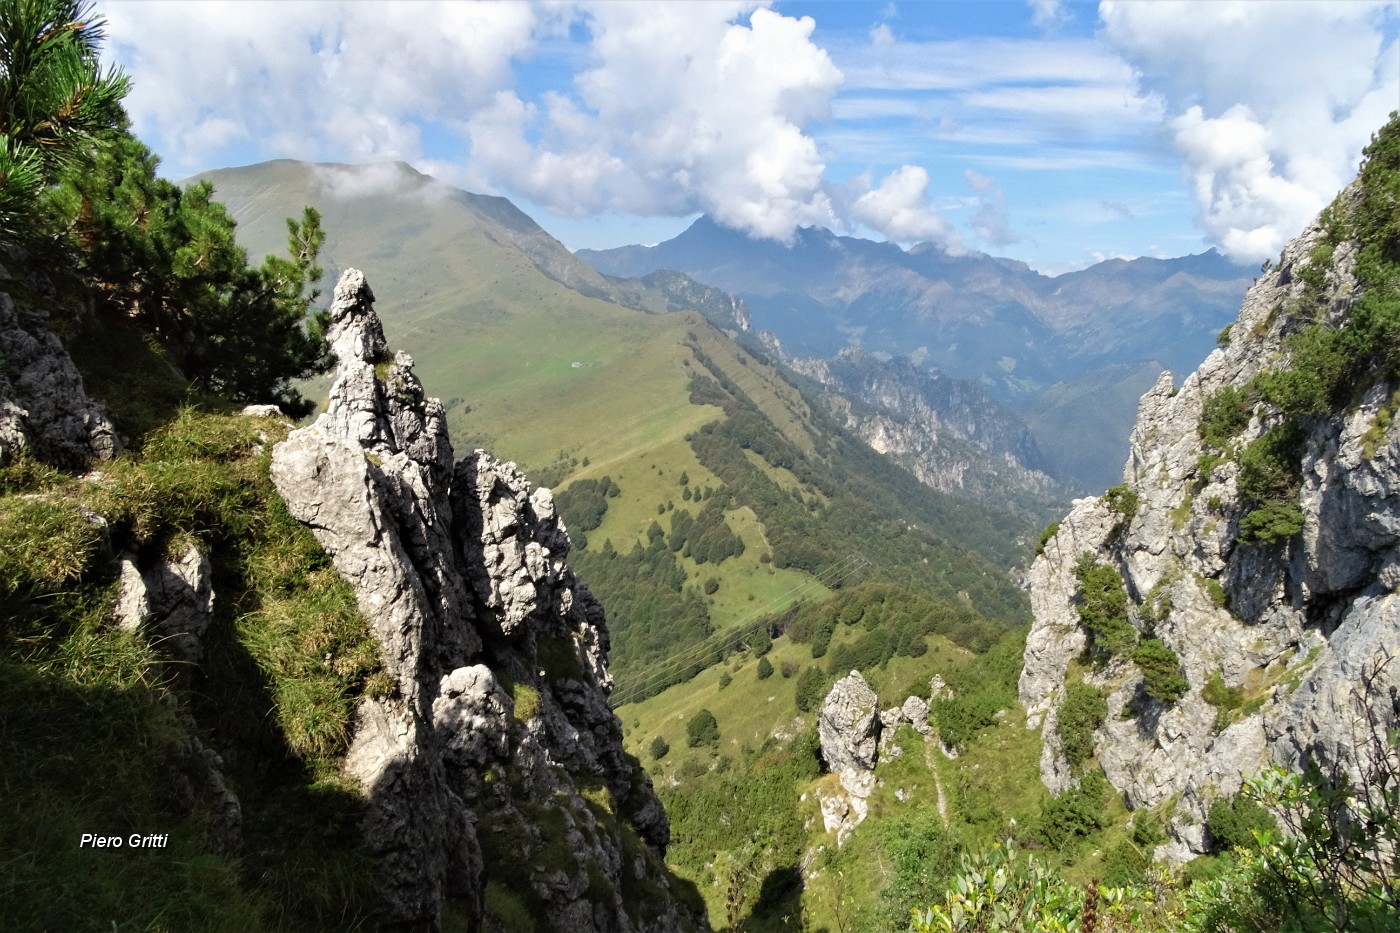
56,101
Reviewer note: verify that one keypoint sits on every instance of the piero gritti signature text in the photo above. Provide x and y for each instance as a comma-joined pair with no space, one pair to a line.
134,841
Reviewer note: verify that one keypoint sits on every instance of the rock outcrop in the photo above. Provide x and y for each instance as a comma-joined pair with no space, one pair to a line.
849,729
496,760
1291,624
950,433
855,733
171,601
43,407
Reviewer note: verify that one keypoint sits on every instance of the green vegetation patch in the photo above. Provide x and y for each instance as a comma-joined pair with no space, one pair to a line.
1234,820
286,657
1123,500
1080,715
981,689
1224,414
1103,607
1161,671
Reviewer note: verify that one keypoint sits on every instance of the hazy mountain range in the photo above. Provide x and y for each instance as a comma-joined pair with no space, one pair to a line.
1094,339
1069,354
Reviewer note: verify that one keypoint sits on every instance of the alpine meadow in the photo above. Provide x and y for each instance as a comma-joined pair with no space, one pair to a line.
659,466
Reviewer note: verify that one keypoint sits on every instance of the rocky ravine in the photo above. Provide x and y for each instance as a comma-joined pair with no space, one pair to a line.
1294,624
496,759
949,433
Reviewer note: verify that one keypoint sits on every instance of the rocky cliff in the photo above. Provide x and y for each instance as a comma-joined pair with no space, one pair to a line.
494,766
950,433
1274,621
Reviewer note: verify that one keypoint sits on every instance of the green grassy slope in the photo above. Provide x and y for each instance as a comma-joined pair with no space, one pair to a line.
579,390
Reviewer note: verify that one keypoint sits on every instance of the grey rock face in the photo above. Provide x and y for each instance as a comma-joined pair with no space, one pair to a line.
171,602
43,407
498,652
1293,623
949,433
849,729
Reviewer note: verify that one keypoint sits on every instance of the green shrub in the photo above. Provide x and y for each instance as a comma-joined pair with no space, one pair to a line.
1269,466
962,716
1125,864
1081,713
922,855
1050,531
725,680
702,729
1271,523
811,689
999,892
1077,813
1123,500
1103,606
1232,822
659,748
1224,414
1147,831
1161,671
1216,592
1205,466
765,669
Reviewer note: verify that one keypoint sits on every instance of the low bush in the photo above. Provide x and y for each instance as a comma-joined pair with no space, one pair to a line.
1161,671
1080,715
702,729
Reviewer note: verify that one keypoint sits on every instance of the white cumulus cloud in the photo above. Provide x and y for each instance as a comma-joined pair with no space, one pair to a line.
1048,14
899,209
310,80
1269,104
686,108
583,107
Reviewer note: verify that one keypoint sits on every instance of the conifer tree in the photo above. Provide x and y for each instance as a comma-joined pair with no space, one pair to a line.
55,100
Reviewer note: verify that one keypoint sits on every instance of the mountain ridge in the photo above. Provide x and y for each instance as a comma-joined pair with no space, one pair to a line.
648,426
971,316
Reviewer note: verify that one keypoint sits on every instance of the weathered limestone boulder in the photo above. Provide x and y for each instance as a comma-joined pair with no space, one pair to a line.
498,653
916,712
849,729
43,407
170,602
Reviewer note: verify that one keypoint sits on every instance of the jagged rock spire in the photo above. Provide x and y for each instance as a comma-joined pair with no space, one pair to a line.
459,571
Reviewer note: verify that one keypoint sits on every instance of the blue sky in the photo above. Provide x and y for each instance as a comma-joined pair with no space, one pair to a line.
1056,133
